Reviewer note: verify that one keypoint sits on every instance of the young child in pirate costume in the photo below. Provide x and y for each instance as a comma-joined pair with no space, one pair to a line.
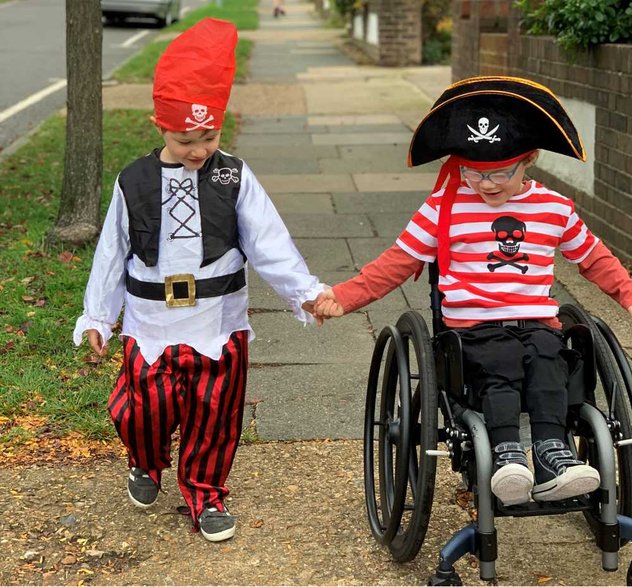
182,222
494,234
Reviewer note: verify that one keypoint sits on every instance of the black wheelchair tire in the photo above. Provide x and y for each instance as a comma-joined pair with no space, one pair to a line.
609,373
424,417
392,491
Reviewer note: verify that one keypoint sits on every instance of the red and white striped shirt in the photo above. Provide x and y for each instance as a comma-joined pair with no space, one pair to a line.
501,258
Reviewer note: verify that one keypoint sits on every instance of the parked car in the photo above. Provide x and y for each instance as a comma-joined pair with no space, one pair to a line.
164,11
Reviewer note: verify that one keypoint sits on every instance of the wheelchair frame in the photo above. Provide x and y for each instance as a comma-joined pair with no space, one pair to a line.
408,433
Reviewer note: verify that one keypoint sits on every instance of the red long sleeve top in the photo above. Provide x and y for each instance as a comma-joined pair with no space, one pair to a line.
394,266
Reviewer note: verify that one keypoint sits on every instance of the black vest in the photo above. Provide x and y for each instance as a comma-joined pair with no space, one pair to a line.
218,188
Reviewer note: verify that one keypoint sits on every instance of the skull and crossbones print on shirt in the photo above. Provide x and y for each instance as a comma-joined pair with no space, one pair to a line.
509,233
181,210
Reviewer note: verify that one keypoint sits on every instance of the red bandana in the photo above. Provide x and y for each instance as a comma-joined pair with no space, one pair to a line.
194,77
450,170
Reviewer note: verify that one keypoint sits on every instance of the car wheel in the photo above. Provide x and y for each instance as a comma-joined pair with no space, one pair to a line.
112,19
167,20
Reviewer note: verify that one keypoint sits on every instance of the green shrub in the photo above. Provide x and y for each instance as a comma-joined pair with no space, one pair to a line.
436,31
345,7
579,24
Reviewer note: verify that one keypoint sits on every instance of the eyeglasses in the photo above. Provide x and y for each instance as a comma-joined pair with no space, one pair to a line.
497,177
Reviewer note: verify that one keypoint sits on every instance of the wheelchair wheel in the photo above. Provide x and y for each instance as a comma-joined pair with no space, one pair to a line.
610,376
424,421
392,420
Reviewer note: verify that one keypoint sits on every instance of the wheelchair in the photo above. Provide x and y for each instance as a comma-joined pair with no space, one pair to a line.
423,401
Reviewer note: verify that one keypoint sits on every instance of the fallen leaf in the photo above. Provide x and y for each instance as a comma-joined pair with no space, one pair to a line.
69,559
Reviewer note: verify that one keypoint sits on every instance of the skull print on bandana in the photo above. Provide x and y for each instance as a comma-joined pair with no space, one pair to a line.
509,232
201,118
181,211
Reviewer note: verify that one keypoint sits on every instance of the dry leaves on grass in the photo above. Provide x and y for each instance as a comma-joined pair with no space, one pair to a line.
37,443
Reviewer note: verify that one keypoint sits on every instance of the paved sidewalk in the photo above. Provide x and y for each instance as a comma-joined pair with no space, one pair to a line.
328,139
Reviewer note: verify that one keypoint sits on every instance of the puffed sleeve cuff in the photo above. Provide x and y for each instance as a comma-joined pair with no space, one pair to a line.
304,296
86,323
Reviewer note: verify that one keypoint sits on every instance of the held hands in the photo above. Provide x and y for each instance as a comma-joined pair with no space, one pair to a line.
324,306
96,342
327,305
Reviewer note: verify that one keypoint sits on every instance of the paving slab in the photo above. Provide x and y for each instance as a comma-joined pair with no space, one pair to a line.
386,164
281,339
304,203
326,254
377,202
364,250
361,138
386,182
290,407
390,224
377,96
275,124
353,120
247,151
272,139
258,99
283,165
326,226
307,183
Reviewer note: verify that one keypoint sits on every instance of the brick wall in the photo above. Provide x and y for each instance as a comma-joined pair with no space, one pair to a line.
398,22
600,78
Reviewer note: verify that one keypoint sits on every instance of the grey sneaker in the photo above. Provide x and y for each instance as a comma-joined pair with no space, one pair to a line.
512,480
142,491
215,525
558,474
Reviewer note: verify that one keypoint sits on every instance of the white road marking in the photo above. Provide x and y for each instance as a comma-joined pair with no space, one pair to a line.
135,38
32,99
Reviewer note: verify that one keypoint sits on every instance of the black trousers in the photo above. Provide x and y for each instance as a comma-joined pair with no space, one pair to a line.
509,367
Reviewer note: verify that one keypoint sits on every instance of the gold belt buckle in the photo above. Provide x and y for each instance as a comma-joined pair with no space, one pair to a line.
170,299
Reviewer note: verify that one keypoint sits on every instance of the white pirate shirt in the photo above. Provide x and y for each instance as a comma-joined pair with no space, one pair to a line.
208,324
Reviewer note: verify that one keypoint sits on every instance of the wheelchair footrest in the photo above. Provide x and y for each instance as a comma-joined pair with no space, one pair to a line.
543,508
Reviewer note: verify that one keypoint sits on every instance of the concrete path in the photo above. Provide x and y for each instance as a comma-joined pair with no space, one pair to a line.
328,139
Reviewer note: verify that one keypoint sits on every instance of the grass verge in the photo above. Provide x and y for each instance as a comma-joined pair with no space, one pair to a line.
49,387
243,13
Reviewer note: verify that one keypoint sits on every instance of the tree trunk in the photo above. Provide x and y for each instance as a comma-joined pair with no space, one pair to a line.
78,219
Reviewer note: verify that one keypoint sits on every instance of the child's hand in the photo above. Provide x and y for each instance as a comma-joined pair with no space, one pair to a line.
630,310
327,306
96,342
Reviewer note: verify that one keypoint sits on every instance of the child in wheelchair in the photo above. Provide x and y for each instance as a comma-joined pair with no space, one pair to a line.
494,233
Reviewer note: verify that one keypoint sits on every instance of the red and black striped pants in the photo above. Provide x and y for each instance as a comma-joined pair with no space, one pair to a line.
183,388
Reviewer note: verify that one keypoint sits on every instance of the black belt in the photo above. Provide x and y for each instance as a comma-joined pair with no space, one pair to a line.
518,323
183,289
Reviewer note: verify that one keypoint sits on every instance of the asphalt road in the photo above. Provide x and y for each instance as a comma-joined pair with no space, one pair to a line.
33,60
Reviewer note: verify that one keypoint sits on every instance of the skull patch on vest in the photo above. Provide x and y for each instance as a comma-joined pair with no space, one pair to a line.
225,175
509,234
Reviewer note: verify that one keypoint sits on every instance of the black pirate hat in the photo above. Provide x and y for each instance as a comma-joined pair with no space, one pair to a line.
494,119
488,122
